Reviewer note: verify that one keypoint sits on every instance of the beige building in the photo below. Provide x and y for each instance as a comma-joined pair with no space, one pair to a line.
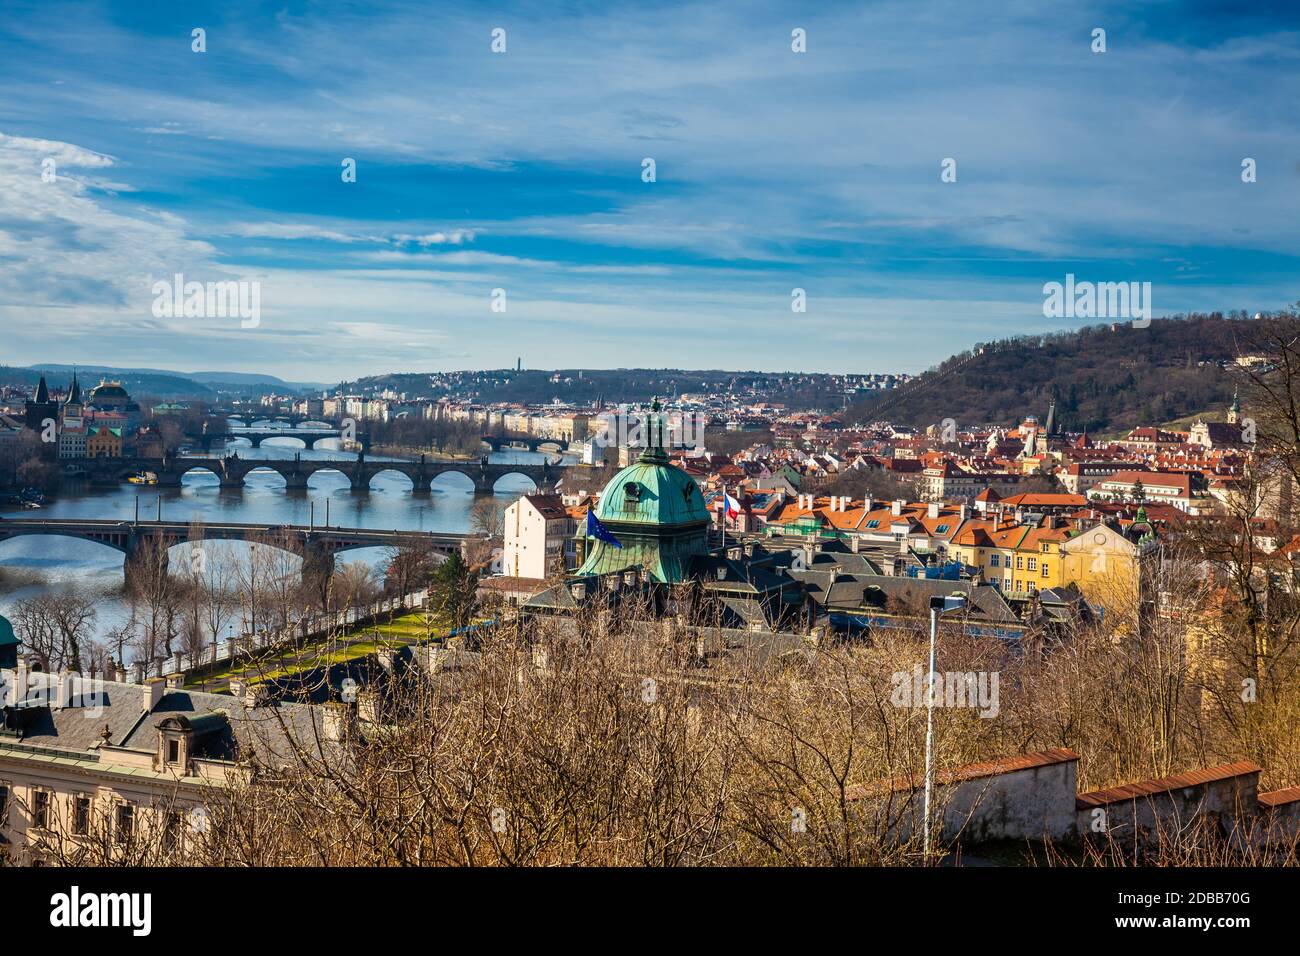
83,760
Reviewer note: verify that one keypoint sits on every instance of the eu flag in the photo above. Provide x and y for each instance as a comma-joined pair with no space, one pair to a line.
598,531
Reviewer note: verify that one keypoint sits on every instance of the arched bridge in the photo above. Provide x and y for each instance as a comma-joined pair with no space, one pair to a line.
317,545
498,442
232,470
306,434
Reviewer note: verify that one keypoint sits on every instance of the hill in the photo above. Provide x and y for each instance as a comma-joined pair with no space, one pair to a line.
1102,378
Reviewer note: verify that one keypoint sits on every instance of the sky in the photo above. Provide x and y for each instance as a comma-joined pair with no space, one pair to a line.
524,171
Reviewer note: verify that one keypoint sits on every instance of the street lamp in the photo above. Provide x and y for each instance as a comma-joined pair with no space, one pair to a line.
938,605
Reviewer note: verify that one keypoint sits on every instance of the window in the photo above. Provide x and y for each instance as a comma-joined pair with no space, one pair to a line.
942,529
41,809
1044,569
993,561
173,751
172,829
1033,564
873,523
1020,562
81,816
124,822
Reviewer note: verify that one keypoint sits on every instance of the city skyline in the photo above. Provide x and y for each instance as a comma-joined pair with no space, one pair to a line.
523,170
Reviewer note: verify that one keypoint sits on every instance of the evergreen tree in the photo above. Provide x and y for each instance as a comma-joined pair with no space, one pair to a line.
454,590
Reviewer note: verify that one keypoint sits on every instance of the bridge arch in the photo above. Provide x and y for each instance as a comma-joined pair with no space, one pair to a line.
334,476
514,482
287,440
56,533
201,470
263,475
394,474
453,480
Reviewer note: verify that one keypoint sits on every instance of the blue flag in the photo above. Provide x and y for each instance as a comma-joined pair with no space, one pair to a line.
598,531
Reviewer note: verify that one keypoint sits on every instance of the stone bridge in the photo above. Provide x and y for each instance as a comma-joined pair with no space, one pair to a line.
498,442
256,436
232,470
317,545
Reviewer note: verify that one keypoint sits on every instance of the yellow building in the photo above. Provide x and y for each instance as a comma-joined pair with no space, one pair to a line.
1111,569
1019,559
104,442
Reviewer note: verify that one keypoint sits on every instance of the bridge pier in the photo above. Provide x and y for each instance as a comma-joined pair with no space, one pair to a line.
483,485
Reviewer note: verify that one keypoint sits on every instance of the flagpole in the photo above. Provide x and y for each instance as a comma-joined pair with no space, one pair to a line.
724,518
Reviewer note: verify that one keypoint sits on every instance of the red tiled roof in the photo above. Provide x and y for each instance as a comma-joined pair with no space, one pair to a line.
970,771
1149,788
1279,798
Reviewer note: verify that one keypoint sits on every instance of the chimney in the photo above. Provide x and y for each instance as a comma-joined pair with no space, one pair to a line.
368,705
932,510
896,508
997,520
336,719
21,676
867,503
854,543
152,692
579,590
65,689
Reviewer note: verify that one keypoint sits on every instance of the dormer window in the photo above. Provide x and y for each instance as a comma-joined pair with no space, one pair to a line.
632,492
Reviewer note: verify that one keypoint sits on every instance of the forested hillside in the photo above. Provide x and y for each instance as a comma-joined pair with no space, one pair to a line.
1102,379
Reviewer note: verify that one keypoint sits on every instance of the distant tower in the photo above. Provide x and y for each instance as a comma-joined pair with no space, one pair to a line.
41,407
72,411
1051,419
519,364
1234,411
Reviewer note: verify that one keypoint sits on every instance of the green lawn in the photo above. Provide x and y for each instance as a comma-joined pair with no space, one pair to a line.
356,643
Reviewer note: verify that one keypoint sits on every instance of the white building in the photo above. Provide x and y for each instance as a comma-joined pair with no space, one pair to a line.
538,530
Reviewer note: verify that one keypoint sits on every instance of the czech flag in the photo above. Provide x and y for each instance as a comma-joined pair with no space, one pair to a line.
730,505
598,531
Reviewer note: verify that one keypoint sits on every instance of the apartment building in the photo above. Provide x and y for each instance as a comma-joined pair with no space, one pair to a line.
538,532
84,760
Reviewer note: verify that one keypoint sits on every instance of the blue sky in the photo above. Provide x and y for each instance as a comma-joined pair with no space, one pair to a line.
522,171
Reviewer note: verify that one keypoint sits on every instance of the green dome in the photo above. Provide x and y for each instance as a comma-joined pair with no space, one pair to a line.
655,511
653,492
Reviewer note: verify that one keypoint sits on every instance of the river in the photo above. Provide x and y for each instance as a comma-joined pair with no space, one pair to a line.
32,564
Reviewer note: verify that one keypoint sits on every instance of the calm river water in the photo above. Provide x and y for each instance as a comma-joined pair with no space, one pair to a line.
32,564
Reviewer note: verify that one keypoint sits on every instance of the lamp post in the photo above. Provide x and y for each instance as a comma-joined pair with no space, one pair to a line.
938,605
